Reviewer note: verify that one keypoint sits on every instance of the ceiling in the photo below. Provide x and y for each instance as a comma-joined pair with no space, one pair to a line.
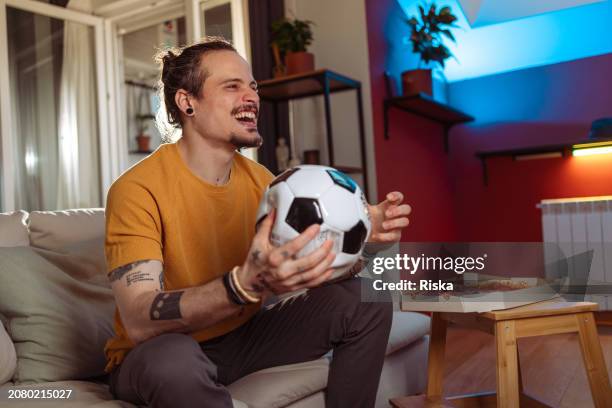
496,36
485,12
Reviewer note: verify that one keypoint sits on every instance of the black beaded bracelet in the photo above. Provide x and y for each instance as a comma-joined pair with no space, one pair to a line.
231,290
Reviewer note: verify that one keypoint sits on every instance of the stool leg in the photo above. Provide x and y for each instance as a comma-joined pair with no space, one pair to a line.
594,362
507,365
435,362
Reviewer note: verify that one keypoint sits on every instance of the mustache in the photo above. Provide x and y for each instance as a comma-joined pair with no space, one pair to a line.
248,106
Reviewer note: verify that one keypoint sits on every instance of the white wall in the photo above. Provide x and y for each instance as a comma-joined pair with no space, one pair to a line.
340,44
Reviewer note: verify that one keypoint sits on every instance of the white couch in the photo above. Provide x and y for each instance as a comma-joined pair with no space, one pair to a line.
56,309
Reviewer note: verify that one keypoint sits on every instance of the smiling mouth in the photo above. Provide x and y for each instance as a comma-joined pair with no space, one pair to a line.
247,117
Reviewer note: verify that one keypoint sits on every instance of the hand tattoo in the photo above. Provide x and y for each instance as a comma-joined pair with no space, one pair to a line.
255,256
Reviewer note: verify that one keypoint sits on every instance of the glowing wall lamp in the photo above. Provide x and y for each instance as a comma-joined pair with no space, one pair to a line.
588,149
601,133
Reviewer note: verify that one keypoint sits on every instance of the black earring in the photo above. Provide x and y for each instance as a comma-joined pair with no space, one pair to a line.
189,111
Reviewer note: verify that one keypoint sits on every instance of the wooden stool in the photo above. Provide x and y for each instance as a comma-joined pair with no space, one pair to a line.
553,316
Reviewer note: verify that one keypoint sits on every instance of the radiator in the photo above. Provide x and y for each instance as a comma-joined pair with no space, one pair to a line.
579,226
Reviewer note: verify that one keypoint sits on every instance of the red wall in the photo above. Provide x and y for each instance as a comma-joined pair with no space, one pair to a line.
413,159
544,105
551,104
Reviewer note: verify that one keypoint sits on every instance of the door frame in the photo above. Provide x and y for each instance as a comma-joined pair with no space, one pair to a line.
108,51
106,139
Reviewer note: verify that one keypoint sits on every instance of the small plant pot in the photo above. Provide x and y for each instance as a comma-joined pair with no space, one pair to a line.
299,62
417,81
144,143
427,81
311,157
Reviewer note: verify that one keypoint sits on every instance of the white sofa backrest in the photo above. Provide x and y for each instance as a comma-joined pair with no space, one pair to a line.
13,229
55,230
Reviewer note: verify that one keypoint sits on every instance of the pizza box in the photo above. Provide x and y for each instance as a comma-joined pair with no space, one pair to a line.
473,299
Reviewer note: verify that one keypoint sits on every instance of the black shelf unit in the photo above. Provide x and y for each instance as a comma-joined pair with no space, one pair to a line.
321,82
424,105
564,149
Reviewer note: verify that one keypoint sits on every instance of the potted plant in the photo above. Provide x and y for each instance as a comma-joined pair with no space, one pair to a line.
427,32
291,38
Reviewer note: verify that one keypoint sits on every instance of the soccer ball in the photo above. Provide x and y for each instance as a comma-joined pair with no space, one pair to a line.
309,194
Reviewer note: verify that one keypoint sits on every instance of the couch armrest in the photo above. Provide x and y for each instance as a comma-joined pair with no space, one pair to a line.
8,356
407,328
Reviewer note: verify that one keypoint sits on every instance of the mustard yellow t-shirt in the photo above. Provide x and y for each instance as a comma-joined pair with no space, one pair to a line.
160,210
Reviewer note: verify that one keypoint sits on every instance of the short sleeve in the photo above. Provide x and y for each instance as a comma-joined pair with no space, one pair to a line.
133,225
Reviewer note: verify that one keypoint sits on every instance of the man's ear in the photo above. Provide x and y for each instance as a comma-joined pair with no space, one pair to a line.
182,100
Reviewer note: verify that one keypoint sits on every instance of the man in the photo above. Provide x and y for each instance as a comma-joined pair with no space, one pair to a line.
190,273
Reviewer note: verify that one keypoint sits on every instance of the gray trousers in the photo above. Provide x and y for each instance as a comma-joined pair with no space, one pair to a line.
173,370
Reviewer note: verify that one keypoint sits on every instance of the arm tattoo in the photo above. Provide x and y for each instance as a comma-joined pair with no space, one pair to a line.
138,276
166,306
118,273
161,281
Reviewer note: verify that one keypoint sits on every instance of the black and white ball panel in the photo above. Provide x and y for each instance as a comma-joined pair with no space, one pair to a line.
303,213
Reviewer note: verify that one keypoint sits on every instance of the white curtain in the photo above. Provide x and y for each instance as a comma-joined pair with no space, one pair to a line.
79,175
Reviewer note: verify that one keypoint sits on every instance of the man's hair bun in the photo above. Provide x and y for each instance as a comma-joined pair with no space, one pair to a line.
180,69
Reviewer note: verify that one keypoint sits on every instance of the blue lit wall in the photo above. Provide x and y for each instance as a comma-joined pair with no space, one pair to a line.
559,36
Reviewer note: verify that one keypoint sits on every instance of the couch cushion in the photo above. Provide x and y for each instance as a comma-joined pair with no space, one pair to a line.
406,328
72,240
59,325
280,386
54,230
13,229
84,394
8,357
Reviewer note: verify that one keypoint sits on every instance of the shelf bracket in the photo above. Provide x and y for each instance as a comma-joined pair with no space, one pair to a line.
447,126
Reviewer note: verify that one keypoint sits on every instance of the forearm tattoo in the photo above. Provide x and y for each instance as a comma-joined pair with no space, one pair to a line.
118,273
138,276
166,306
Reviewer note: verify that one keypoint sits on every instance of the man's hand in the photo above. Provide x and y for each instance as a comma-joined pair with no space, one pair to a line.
389,218
271,270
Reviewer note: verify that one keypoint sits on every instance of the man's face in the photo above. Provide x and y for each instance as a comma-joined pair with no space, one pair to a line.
228,106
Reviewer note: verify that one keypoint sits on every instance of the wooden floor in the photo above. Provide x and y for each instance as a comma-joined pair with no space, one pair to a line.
551,366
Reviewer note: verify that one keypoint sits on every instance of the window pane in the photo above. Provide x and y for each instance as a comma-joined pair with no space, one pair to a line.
218,21
54,111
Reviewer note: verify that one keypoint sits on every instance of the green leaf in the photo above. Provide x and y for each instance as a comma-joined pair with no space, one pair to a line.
448,34
445,10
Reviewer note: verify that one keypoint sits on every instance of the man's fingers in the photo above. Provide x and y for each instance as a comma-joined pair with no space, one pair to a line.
396,223
307,262
398,211
392,236
292,247
266,225
395,197
306,278
321,279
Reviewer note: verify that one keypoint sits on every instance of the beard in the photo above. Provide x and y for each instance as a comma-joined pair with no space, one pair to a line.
240,141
